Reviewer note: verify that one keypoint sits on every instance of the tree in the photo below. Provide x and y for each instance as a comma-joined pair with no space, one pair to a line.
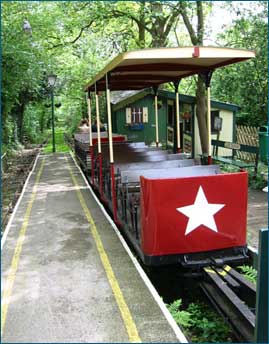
246,84
76,39
197,38
157,20
23,65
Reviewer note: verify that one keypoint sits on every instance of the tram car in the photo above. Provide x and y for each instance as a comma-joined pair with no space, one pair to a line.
81,145
172,209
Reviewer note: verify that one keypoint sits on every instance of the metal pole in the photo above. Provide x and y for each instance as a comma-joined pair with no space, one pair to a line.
209,125
156,115
207,79
111,157
98,120
52,120
88,97
178,122
99,143
91,151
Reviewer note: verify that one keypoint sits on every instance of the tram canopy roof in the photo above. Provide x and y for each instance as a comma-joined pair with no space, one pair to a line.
139,69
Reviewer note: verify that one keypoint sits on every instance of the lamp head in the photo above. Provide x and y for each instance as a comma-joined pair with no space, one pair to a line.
52,80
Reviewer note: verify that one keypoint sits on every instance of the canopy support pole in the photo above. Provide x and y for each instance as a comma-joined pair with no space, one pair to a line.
99,143
177,146
111,153
90,136
155,89
207,79
209,126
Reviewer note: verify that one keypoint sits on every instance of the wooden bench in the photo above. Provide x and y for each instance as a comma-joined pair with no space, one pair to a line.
233,160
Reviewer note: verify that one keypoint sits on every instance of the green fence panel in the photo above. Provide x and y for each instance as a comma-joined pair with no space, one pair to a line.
261,328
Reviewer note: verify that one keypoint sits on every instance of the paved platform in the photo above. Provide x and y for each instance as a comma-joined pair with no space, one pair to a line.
257,215
66,276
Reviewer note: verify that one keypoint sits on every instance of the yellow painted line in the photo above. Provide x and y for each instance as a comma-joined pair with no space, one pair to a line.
210,270
123,307
226,269
16,256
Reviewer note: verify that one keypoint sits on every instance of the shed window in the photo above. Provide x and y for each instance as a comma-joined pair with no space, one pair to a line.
170,115
214,114
136,115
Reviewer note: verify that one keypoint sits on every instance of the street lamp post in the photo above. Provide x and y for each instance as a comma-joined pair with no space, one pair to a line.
51,83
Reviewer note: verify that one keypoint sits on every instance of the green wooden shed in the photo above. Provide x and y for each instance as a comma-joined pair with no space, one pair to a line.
134,116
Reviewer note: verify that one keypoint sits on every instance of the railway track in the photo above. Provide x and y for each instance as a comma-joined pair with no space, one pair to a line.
228,291
233,297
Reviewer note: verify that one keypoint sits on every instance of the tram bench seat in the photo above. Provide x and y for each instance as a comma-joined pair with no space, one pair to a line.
155,164
133,176
177,156
233,160
125,156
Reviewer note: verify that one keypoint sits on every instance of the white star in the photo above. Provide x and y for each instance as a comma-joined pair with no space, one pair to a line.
201,213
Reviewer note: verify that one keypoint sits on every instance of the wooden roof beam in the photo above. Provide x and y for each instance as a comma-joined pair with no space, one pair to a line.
141,77
172,67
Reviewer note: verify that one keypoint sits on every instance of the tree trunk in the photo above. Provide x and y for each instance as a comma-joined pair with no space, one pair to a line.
42,119
141,36
158,42
20,116
201,112
158,23
197,39
141,26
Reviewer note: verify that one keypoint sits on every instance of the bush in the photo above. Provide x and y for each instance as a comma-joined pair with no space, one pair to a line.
254,182
182,318
201,323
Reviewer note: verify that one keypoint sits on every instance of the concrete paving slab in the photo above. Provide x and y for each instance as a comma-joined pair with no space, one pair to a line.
257,215
61,293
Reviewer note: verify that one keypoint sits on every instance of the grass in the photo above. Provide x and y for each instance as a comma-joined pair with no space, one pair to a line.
60,145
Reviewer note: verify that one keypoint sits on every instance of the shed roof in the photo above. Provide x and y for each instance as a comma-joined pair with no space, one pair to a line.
122,99
138,69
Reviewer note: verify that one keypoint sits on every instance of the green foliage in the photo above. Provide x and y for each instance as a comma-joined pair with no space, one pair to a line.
182,318
246,84
24,61
256,182
249,272
227,167
76,39
207,326
60,144
201,323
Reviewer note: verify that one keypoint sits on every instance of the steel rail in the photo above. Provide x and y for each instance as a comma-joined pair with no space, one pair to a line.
234,299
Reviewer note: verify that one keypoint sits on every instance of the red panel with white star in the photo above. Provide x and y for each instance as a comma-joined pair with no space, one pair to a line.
196,214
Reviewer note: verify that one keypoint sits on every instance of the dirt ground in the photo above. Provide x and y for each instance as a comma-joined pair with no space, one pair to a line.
14,175
257,215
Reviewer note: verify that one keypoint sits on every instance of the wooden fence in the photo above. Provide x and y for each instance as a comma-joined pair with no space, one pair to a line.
247,136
